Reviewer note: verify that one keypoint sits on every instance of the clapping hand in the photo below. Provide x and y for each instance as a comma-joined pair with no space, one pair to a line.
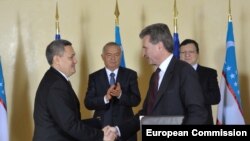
108,95
116,91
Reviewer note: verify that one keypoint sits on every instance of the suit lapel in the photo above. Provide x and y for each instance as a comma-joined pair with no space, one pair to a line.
104,80
198,69
200,72
119,75
165,81
71,90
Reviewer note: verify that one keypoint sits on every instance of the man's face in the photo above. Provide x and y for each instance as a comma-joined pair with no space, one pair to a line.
189,54
111,57
150,51
67,61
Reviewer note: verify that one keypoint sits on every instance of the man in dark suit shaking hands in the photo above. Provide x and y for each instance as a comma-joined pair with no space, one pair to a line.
57,112
174,88
189,52
113,90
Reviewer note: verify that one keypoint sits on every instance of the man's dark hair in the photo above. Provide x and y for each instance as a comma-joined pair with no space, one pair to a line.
56,47
159,33
190,41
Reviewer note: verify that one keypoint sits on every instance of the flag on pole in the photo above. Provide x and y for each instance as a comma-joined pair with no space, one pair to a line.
4,134
118,36
57,36
229,108
176,50
118,41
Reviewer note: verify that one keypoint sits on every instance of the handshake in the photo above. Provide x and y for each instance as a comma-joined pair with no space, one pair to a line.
110,133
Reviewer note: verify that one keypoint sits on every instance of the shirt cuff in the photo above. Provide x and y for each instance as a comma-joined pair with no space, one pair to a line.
120,95
118,131
106,101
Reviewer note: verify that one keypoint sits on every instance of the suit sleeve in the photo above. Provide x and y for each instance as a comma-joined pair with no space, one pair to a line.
212,93
64,110
130,94
130,127
192,97
92,100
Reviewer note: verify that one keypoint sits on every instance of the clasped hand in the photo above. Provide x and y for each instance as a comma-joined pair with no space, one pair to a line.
110,133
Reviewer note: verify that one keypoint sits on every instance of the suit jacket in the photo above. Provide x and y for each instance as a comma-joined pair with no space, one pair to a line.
179,94
57,112
210,88
121,108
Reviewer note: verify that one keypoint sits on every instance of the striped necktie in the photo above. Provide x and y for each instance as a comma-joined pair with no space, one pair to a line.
153,91
112,78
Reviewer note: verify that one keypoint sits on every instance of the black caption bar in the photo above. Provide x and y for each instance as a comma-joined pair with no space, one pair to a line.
176,132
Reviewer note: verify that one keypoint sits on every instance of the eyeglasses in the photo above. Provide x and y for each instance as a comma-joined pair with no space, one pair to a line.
188,52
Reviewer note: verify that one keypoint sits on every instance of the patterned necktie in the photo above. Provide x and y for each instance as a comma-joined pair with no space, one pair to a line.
112,78
108,118
153,91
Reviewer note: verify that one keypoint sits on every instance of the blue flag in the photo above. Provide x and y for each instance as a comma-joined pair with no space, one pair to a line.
3,109
57,37
176,50
229,109
118,41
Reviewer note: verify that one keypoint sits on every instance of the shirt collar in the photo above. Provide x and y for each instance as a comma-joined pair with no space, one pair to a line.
109,71
63,75
164,65
195,66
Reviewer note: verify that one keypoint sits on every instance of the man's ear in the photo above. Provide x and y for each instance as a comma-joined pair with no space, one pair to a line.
56,60
102,57
160,45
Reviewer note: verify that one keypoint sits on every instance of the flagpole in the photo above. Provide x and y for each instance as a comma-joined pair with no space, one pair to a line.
117,14
229,11
57,36
175,17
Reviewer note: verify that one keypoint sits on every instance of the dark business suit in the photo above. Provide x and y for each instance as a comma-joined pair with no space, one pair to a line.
121,108
179,94
210,88
57,112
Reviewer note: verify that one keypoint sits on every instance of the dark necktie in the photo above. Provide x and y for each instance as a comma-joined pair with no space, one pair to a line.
112,78
153,88
108,114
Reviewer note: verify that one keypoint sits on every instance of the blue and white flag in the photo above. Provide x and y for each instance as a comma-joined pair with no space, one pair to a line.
118,41
4,134
229,109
